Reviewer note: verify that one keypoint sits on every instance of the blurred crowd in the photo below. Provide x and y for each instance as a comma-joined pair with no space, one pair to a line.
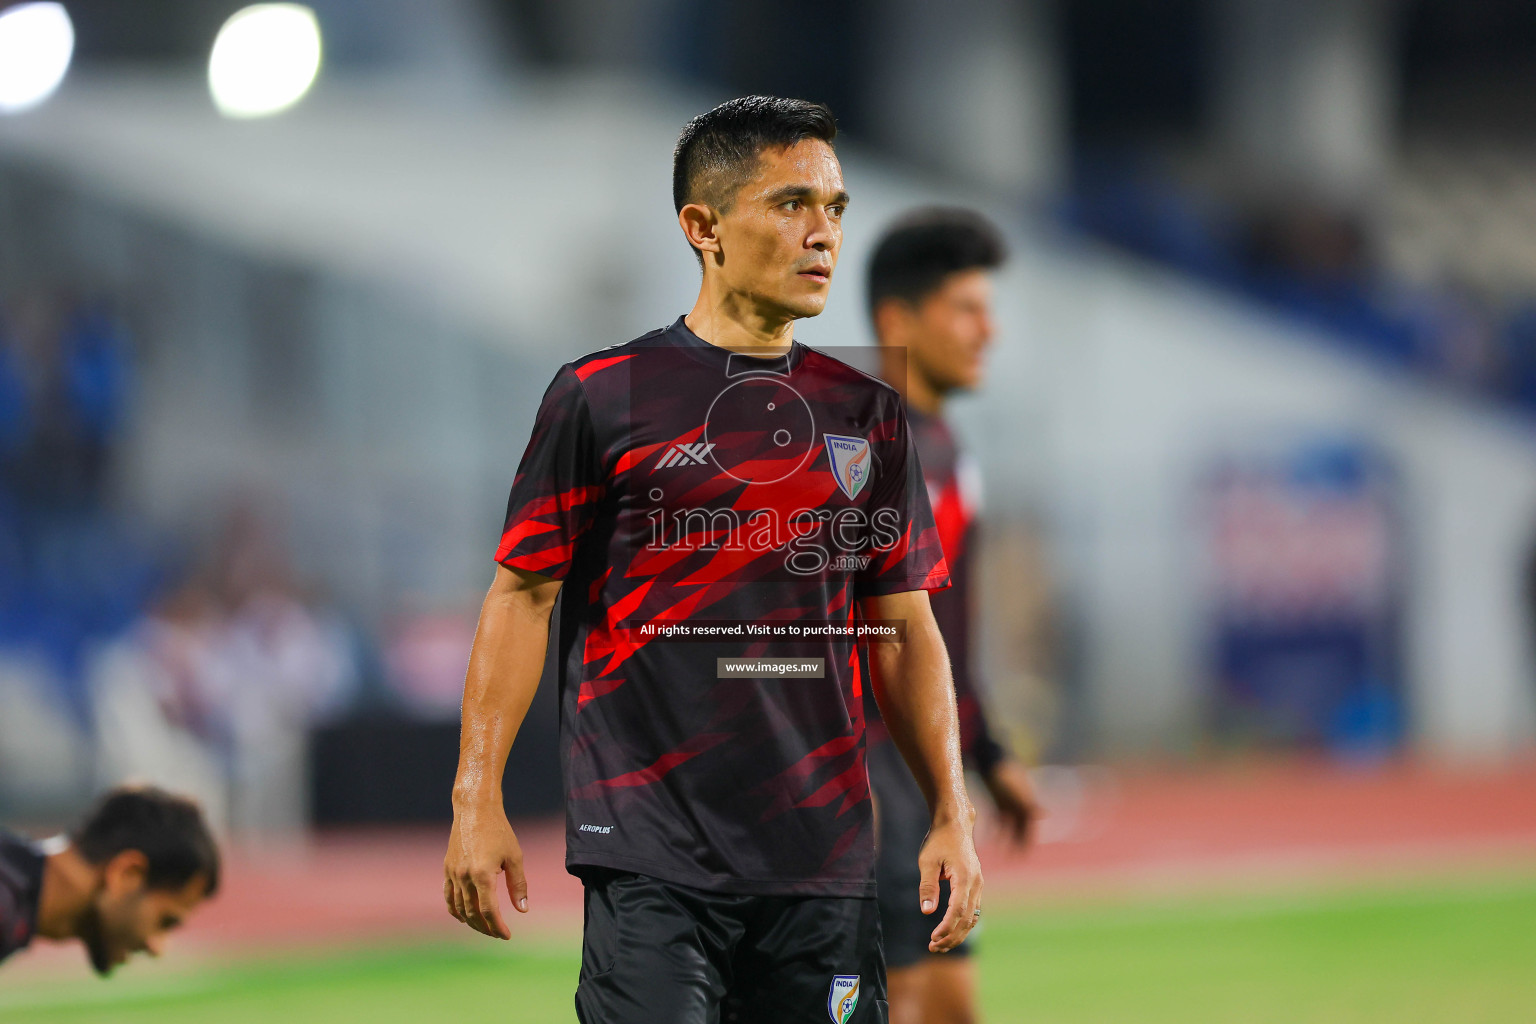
214,689
1393,293
67,570
125,653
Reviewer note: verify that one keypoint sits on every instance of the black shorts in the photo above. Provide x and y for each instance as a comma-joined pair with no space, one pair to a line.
653,951
902,817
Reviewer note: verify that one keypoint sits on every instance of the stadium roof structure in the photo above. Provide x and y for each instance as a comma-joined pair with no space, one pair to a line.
507,209
465,205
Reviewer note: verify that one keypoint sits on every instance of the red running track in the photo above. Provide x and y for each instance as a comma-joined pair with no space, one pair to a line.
1246,826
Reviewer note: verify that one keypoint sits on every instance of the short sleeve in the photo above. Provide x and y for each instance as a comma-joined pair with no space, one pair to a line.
915,561
558,485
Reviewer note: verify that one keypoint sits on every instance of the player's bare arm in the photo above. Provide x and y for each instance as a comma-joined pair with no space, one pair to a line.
917,701
504,668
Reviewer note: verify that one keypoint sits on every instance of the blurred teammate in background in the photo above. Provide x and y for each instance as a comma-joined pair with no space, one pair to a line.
721,824
133,870
930,296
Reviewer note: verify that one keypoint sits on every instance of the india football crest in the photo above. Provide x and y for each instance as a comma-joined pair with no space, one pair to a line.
850,461
843,997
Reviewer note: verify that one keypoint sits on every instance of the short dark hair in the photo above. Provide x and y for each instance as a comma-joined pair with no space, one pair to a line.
168,830
922,248
717,152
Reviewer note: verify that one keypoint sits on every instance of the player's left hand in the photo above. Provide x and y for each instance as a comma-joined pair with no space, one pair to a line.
950,853
1018,806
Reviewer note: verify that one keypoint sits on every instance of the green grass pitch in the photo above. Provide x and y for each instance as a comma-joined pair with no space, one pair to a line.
1428,954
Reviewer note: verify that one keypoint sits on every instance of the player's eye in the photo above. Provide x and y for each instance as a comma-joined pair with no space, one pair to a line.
792,205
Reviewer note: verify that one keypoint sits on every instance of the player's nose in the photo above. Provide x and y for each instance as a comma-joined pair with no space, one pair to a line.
984,330
823,236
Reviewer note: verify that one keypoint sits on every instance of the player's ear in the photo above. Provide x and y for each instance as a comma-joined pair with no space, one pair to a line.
125,872
893,320
700,224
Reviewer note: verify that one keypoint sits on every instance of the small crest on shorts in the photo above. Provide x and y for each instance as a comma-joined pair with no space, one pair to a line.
850,462
843,997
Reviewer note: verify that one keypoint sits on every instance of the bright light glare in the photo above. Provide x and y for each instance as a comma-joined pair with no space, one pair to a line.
36,42
264,60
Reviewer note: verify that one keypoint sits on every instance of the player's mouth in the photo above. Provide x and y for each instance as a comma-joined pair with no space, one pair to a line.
820,275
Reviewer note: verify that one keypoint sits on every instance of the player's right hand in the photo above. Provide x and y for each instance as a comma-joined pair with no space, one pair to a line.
481,846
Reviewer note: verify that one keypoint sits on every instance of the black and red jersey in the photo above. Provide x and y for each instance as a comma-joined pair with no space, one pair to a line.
954,492
673,483
21,883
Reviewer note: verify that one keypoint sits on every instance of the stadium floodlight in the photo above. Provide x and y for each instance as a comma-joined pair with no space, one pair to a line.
264,60
36,42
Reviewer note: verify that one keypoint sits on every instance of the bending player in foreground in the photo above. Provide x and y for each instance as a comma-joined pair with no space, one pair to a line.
133,870
930,297
717,472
